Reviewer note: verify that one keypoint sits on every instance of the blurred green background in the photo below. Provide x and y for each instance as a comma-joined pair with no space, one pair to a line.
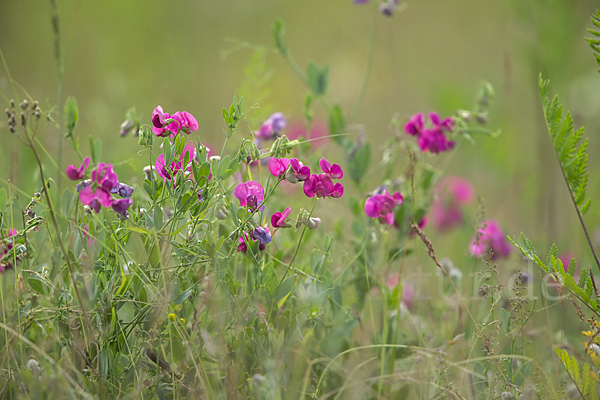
186,55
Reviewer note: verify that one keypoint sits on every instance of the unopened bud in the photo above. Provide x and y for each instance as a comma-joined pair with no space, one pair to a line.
148,170
312,223
221,213
23,119
36,104
482,118
466,115
291,177
8,113
126,127
12,103
25,104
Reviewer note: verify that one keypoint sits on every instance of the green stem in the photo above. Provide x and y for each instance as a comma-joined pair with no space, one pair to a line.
299,241
365,83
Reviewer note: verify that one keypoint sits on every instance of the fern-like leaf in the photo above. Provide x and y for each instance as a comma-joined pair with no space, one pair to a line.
565,139
595,42
583,380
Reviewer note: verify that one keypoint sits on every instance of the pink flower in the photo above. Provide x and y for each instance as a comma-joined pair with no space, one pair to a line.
334,171
322,186
434,140
76,174
490,237
105,176
278,166
96,192
251,194
167,173
272,126
431,139
165,124
452,193
278,219
382,206
95,199
415,124
298,173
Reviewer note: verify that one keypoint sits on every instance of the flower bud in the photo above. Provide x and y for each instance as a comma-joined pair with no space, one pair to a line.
126,127
221,213
312,223
291,177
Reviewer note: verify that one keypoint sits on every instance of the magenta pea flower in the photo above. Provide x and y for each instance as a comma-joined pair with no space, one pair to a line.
434,140
96,193
278,166
272,126
322,186
75,173
167,173
298,173
489,236
278,219
446,210
250,194
105,177
95,198
431,139
381,206
415,124
243,247
165,124
334,171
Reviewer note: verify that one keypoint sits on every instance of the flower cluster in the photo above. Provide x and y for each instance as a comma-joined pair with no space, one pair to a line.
452,193
381,206
321,185
297,173
432,138
165,124
97,192
489,236
271,128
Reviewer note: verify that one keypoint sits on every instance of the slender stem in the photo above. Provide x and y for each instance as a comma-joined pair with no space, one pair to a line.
365,83
299,241
587,235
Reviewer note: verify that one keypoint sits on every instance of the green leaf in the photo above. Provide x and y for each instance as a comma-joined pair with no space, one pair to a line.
522,373
95,149
278,31
480,377
572,156
505,318
358,162
337,124
182,297
71,116
318,79
284,290
67,202
223,167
